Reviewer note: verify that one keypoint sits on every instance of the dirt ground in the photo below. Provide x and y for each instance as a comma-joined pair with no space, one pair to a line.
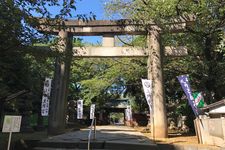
173,137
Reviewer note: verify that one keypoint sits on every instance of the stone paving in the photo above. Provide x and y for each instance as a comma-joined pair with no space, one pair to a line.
112,138
107,138
104,133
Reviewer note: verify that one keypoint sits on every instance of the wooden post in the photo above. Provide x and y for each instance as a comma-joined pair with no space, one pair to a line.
58,101
159,119
9,142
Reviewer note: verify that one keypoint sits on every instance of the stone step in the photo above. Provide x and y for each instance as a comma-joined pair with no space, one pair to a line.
96,145
72,145
188,147
47,148
129,146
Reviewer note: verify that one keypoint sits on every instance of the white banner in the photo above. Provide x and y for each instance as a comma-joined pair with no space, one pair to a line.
80,109
128,113
147,86
46,97
92,111
47,87
11,124
45,106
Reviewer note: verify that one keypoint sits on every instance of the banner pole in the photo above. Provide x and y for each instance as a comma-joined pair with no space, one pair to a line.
95,128
10,136
152,123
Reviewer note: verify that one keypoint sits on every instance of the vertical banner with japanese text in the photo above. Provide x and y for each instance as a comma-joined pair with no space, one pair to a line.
92,111
128,113
147,86
46,97
80,109
184,82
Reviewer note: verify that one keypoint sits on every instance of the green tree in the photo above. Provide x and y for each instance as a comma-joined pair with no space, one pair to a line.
22,67
204,39
97,80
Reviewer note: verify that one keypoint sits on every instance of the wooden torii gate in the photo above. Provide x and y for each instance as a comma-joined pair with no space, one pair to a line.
66,29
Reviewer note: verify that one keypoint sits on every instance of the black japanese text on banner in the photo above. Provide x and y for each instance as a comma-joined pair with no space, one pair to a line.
92,111
46,97
147,86
128,113
80,109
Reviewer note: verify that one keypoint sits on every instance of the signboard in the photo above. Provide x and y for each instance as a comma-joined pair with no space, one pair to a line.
46,97
147,86
80,109
92,111
11,124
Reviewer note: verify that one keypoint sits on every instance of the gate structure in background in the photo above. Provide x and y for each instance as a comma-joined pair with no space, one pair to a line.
66,29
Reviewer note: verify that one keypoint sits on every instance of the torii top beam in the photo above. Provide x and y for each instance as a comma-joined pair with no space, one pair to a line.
106,27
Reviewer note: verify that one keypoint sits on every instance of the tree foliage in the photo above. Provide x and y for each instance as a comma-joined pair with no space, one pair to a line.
97,80
21,66
204,39
100,79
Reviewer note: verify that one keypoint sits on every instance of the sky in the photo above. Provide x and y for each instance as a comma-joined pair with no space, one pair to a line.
85,7
95,6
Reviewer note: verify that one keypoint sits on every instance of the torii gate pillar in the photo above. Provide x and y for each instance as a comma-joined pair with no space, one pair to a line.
159,119
58,102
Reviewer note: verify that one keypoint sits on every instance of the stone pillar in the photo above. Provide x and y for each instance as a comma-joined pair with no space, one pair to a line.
58,101
108,41
155,73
